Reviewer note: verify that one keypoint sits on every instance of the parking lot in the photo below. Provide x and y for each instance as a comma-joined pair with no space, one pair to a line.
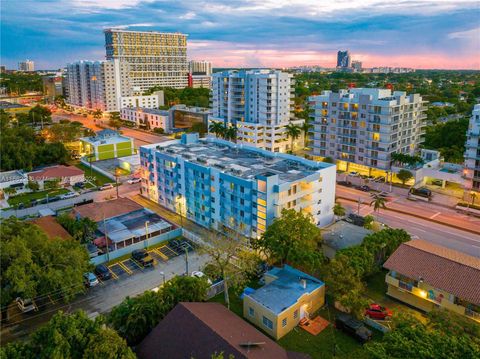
162,254
128,279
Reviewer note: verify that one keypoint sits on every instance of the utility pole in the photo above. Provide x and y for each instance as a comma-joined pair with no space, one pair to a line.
359,203
146,234
186,260
106,237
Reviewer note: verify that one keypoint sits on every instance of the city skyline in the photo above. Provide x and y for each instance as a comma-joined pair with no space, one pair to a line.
418,34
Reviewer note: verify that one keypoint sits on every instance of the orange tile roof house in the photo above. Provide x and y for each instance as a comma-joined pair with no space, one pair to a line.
113,208
51,227
198,330
68,175
430,276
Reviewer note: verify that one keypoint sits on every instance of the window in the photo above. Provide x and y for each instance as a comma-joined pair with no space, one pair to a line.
251,312
284,322
267,322
295,314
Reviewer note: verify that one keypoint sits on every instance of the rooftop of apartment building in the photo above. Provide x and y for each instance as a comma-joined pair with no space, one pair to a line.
105,137
241,161
191,109
243,72
376,94
152,111
288,286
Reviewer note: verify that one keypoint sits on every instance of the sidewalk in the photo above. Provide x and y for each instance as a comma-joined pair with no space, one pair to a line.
447,217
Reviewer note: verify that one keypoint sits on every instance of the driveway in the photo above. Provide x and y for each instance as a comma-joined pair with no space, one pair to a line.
102,298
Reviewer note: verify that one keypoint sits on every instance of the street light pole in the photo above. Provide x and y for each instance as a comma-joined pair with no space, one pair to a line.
359,203
186,260
146,234
163,275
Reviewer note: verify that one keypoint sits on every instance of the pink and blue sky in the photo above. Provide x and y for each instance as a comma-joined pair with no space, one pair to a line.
252,33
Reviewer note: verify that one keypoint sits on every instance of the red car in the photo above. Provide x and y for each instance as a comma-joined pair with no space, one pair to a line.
376,311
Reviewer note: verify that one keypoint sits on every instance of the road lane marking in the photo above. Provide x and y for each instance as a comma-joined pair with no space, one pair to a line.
436,214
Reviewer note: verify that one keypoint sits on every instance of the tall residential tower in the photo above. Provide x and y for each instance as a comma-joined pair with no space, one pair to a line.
361,128
472,153
258,103
155,58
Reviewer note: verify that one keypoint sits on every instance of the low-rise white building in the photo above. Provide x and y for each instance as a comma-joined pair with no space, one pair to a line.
146,117
154,100
16,180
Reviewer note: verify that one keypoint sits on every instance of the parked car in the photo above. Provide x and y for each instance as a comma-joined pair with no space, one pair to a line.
142,257
353,327
134,180
90,279
354,174
199,274
102,272
92,250
79,185
376,311
379,179
69,195
364,188
106,186
26,305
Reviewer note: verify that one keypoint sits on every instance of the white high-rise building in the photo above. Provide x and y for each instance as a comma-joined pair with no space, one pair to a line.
155,58
27,65
200,67
258,102
472,152
361,128
105,85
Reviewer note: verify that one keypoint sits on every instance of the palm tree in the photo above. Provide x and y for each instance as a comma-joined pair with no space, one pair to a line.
97,114
230,133
378,203
217,128
473,196
307,126
293,131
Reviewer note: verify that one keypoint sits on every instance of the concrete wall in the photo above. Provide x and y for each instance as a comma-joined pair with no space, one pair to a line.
129,249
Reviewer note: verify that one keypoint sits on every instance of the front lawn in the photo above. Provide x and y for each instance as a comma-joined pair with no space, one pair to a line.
26,198
96,177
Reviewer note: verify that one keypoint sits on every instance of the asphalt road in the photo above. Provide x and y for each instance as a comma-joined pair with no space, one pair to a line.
141,137
102,298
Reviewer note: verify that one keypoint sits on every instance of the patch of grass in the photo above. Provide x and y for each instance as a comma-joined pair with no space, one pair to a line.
98,178
376,286
26,198
236,304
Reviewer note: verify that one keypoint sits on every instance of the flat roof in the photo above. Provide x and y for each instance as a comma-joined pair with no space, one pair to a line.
242,161
10,176
342,235
132,225
285,290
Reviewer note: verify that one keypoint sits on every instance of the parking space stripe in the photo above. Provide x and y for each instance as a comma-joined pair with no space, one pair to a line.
51,300
115,277
163,256
125,268
137,264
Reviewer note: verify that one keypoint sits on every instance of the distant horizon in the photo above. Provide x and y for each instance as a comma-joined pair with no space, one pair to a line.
420,34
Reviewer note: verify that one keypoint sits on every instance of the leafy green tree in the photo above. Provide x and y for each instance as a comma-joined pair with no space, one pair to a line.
33,265
368,224
338,210
306,127
200,128
33,186
230,260
10,191
293,238
70,336
449,138
52,184
328,160
414,339
63,132
404,176
199,97
293,132
230,133
82,229
20,82
344,284
40,114
135,317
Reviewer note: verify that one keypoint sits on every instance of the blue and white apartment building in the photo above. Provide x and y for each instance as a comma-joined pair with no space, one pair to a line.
219,184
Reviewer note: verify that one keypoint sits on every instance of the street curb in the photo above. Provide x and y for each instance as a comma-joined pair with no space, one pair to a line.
421,217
